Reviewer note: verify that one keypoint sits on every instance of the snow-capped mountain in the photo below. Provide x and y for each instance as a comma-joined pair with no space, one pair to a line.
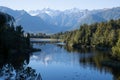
29,23
47,11
64,19
73,18
52,21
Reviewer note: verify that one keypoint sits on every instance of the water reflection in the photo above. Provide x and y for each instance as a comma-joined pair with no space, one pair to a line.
14,67
58,62
52,53
95,61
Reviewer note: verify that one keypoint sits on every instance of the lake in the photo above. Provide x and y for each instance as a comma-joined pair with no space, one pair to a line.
57,62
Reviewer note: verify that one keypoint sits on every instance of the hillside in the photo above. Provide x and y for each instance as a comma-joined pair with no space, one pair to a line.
53,21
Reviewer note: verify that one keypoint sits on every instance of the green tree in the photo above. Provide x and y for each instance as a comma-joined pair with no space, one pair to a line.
116,50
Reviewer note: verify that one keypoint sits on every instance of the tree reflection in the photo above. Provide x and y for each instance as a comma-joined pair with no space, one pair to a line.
14,67
95,60
80,50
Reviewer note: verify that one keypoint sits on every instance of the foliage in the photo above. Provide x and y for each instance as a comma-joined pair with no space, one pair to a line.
11,37
39,35
104,35
116,49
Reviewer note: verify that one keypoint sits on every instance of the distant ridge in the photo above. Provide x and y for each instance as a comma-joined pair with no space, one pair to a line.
53,21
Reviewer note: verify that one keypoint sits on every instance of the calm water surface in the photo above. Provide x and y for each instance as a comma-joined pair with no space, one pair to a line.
57,62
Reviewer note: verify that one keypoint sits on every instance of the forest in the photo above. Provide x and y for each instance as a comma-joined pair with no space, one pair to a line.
12,38
103,36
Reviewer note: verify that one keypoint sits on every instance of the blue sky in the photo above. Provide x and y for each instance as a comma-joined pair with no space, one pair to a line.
59,4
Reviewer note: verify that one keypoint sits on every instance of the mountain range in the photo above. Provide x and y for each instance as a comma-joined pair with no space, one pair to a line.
53,21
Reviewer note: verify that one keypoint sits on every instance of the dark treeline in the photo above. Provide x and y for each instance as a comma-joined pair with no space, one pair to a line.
13,46
39,35
12,37
104,35
61,35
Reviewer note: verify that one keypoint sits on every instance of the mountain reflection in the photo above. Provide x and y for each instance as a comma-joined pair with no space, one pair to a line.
58,57
14,67
54,54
